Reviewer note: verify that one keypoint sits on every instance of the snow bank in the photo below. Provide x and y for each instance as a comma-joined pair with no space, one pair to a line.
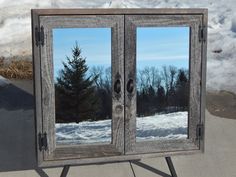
233,28
164,126
15,29
84,132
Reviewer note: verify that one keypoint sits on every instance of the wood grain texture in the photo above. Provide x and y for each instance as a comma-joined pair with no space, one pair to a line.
163,20
164,146
120,11
130,73
131,23
116,23
48,90
195,82
118,68
123,44
203,79
37,84
84,151
80,21
112,159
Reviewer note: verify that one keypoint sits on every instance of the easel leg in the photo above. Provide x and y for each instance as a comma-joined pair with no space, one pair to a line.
65,171
168,161
171,166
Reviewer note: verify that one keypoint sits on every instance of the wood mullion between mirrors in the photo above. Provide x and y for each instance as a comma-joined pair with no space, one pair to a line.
130,73
118,69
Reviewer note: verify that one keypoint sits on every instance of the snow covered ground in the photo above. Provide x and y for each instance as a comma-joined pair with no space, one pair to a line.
222,29
163,126
84,132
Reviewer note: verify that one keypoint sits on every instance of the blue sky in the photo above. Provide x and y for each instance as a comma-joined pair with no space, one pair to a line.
163,46
155,46
95,44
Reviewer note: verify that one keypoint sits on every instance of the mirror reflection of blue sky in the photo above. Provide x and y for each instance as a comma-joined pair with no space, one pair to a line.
155,46
163,46
95,44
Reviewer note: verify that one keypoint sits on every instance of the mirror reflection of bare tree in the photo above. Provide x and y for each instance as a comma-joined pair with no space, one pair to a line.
162,91
103,90
162,71
162,103
82,94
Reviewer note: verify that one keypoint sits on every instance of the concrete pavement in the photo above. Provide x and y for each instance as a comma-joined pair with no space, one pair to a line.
219,159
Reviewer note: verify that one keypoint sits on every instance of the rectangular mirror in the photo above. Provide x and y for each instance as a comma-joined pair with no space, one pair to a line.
82,78
162,74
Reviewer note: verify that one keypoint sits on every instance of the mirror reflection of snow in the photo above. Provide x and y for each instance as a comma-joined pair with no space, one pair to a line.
159,126
84,132
162,126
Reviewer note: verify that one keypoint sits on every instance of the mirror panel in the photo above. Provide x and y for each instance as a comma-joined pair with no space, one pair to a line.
162,74
82,77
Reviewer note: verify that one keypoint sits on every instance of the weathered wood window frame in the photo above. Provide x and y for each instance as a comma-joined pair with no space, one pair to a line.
123,24
194,118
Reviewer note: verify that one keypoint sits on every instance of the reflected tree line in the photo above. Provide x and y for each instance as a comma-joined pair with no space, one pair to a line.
162,90
84,94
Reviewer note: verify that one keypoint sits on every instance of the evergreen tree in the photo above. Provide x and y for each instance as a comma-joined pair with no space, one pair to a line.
75,91
182,90
151,101
161,98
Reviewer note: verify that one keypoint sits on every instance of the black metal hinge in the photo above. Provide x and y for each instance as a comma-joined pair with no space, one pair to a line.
43,142
200,131
39,36
202,33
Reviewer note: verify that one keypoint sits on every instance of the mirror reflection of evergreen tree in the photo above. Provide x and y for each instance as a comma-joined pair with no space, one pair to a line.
182,90
160,98
75,96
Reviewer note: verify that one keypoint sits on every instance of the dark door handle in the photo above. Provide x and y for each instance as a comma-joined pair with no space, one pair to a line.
117,86
130,86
